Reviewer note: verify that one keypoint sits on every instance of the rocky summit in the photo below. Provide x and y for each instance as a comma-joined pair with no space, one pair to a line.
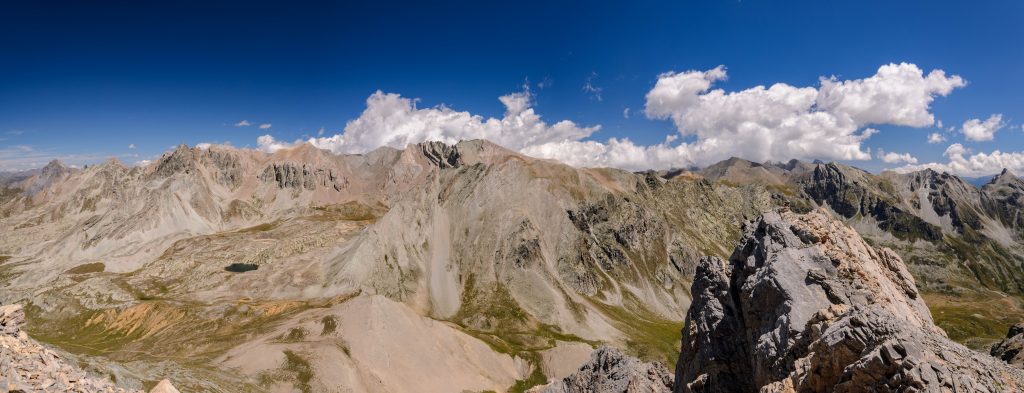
804,304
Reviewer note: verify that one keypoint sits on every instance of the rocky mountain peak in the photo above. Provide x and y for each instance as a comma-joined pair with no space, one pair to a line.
181,160
1004,177
55,167
805,304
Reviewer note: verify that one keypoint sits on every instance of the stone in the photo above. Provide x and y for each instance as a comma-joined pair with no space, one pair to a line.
609,370
804,304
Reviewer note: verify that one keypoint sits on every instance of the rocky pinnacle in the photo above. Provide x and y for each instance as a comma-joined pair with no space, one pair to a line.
804,304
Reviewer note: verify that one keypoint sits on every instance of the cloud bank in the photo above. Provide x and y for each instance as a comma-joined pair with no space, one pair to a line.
780,122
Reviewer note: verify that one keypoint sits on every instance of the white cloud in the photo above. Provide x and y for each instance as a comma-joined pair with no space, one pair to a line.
143,162
936,138
625,113
938,124
393,120
898,94
321,131
590,88
243,123
977,130
895,158
265,126
779,122
980,164
267,143
131,145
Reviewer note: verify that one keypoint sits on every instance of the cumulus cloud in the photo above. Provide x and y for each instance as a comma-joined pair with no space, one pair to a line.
779,122
962,162
131,145
265,126
392,120
895,158
936,138
625,113
243,123
267,143
977,130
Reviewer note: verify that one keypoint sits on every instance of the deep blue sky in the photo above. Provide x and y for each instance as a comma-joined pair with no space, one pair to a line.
85,81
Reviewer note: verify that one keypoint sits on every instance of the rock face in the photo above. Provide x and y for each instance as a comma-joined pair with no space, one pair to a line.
805,305
1011,350
611,371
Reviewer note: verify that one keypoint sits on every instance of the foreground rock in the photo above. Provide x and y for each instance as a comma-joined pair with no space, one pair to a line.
805,305
29,367
1011,350
611,371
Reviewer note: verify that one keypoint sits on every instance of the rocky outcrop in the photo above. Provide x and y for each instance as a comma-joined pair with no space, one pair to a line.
805,305
27,366
611,371
441,154
298,176
1011,350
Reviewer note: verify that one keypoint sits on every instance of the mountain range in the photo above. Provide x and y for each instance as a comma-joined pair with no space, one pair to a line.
225,269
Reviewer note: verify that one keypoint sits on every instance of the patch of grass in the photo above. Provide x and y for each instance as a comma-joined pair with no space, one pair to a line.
976,319
650,337
95,267
241,267
330,325
537,377
182,330
348,211
294,334
299,366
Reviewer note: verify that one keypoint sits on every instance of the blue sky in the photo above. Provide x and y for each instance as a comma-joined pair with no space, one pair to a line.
83,83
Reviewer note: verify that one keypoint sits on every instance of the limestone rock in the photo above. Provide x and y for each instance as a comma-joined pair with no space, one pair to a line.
805,305
1011,350
611,371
